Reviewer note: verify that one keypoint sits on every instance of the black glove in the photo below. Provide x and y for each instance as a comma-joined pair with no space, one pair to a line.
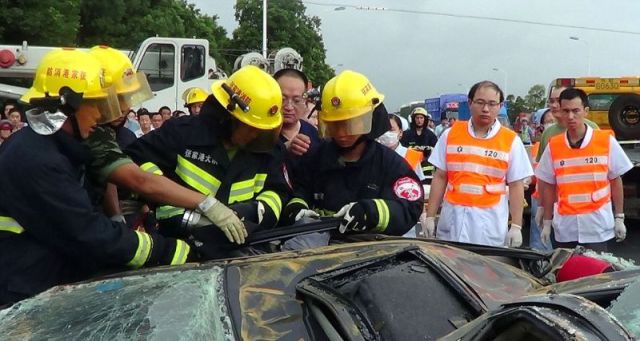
289,213
354,218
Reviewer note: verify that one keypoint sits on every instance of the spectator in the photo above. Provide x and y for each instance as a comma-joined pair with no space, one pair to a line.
144,118
444,124
165,111
132,123
156,120
8,105
525,132
179,113
15,117
420,137
6,128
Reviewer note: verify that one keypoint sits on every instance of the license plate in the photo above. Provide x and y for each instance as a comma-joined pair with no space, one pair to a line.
607,84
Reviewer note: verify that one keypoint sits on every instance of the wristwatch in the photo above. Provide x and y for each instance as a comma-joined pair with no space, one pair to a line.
206,204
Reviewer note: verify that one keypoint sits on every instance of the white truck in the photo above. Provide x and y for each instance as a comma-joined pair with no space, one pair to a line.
171,64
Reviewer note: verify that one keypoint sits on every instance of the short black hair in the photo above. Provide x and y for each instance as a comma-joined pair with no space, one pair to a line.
155,114
163,108
292,73
143,112
397,119
485,84
571,93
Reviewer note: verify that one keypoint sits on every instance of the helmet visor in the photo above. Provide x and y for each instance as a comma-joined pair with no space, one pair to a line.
354,126
133,92
108,106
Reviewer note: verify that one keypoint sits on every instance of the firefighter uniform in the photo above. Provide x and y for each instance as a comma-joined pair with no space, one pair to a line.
381,181
49,231
190,151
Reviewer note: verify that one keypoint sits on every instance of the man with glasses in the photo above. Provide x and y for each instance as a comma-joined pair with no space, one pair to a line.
475,162
548,133
298,135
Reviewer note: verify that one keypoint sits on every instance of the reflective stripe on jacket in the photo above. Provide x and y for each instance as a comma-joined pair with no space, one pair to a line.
581,174
476,168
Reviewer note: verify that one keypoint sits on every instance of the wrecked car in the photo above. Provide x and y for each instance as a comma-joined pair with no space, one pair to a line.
372,288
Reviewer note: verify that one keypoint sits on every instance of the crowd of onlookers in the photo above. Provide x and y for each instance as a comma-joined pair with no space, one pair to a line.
11,119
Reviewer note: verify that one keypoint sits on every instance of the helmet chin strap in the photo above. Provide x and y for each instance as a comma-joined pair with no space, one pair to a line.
344,150
76,127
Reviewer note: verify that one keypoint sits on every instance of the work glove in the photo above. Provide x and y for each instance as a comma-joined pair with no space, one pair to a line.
225,219
290,213
619,228
354,218
539,216
514,236
427,226
119,218
545,235
305,213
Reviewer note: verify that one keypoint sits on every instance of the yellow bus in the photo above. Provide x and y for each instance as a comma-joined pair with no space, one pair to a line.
614,103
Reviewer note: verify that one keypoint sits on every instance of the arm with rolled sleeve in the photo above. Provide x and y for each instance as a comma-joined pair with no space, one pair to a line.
619,164
439,182
546,181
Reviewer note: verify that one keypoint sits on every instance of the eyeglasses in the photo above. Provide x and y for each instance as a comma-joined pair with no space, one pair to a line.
295,101
481,103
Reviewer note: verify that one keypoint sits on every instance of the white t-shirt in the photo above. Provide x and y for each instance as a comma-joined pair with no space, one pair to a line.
486,226
592,227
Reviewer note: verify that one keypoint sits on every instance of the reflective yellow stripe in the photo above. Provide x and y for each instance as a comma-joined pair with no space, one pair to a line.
272,200
197,178
244,190
383,215
260,179
151,167
241,191
8,224
298,201
181,253
166,212
143,251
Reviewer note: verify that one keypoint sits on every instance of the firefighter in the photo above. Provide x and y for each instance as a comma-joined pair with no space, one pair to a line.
420,137
227,153
50,232
193,99
369,186
475,162
582,169
110,164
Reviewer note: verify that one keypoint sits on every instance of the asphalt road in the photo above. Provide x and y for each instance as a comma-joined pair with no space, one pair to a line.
629,248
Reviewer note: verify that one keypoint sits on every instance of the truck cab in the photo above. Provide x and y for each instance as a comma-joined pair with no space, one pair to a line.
171,64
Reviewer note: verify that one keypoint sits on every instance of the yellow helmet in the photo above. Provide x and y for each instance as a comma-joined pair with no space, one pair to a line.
257,98
132,87
194,95
80,72
348,101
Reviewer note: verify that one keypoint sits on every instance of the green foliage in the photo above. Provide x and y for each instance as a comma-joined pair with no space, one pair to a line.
287,26
534,100
51,22
123,24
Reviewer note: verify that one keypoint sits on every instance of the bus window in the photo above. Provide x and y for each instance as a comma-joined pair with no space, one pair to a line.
158,64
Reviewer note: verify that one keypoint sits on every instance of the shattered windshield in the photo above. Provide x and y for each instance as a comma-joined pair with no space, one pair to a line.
626,308
174,305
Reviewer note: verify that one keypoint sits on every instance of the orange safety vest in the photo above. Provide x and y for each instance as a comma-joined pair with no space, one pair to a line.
534,164
476,168
413,158
581,174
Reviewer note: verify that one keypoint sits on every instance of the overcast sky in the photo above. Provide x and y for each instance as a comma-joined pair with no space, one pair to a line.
412,56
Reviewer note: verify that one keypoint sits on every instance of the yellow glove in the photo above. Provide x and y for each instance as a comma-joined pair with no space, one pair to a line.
224,218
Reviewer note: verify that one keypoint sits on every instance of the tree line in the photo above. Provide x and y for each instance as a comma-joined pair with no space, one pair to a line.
124,24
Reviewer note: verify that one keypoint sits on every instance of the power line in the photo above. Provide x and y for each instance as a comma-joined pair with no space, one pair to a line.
442,14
